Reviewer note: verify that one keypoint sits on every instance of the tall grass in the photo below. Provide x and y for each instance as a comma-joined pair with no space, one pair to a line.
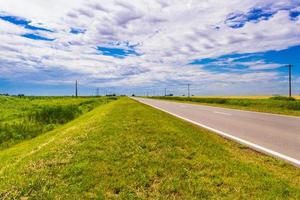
30,116
55,114
17,131
283,98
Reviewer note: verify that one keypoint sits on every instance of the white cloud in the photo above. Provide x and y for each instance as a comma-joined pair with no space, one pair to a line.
167,34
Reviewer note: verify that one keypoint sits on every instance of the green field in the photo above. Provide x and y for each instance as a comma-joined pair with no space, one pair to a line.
126,150
26,117
275,105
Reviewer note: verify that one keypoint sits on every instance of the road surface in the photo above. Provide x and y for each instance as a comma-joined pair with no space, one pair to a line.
276,135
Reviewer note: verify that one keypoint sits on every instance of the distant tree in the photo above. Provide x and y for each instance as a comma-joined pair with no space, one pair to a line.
111,95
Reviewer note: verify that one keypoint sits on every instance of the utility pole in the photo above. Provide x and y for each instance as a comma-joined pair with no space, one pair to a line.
189,90
290,80
165,92
76,89
97,92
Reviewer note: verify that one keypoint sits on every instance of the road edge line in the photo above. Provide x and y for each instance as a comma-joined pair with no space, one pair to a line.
237,139
233,109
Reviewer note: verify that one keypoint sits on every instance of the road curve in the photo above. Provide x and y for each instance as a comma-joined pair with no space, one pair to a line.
276,135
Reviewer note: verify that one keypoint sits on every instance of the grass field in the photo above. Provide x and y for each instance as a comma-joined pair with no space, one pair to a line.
262,104
27,117
126,150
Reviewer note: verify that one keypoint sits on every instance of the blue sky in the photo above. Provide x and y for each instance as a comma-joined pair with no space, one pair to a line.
125,47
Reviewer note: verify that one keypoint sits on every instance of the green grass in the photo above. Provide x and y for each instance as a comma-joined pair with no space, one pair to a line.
126,150
25,118
275,105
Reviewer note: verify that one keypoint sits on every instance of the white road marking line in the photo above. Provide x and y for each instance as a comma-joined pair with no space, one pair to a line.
232,109
250,144
222,113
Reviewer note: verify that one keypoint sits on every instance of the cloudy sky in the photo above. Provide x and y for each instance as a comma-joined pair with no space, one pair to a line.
220,47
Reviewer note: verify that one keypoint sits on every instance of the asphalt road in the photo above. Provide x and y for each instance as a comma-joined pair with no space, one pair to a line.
276,135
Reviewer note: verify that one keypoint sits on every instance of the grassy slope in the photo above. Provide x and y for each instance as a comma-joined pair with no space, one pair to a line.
250,104
126,150
15,109
25,118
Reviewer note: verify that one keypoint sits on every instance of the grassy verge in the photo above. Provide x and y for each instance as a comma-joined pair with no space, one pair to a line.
25,118
275,106
126,150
